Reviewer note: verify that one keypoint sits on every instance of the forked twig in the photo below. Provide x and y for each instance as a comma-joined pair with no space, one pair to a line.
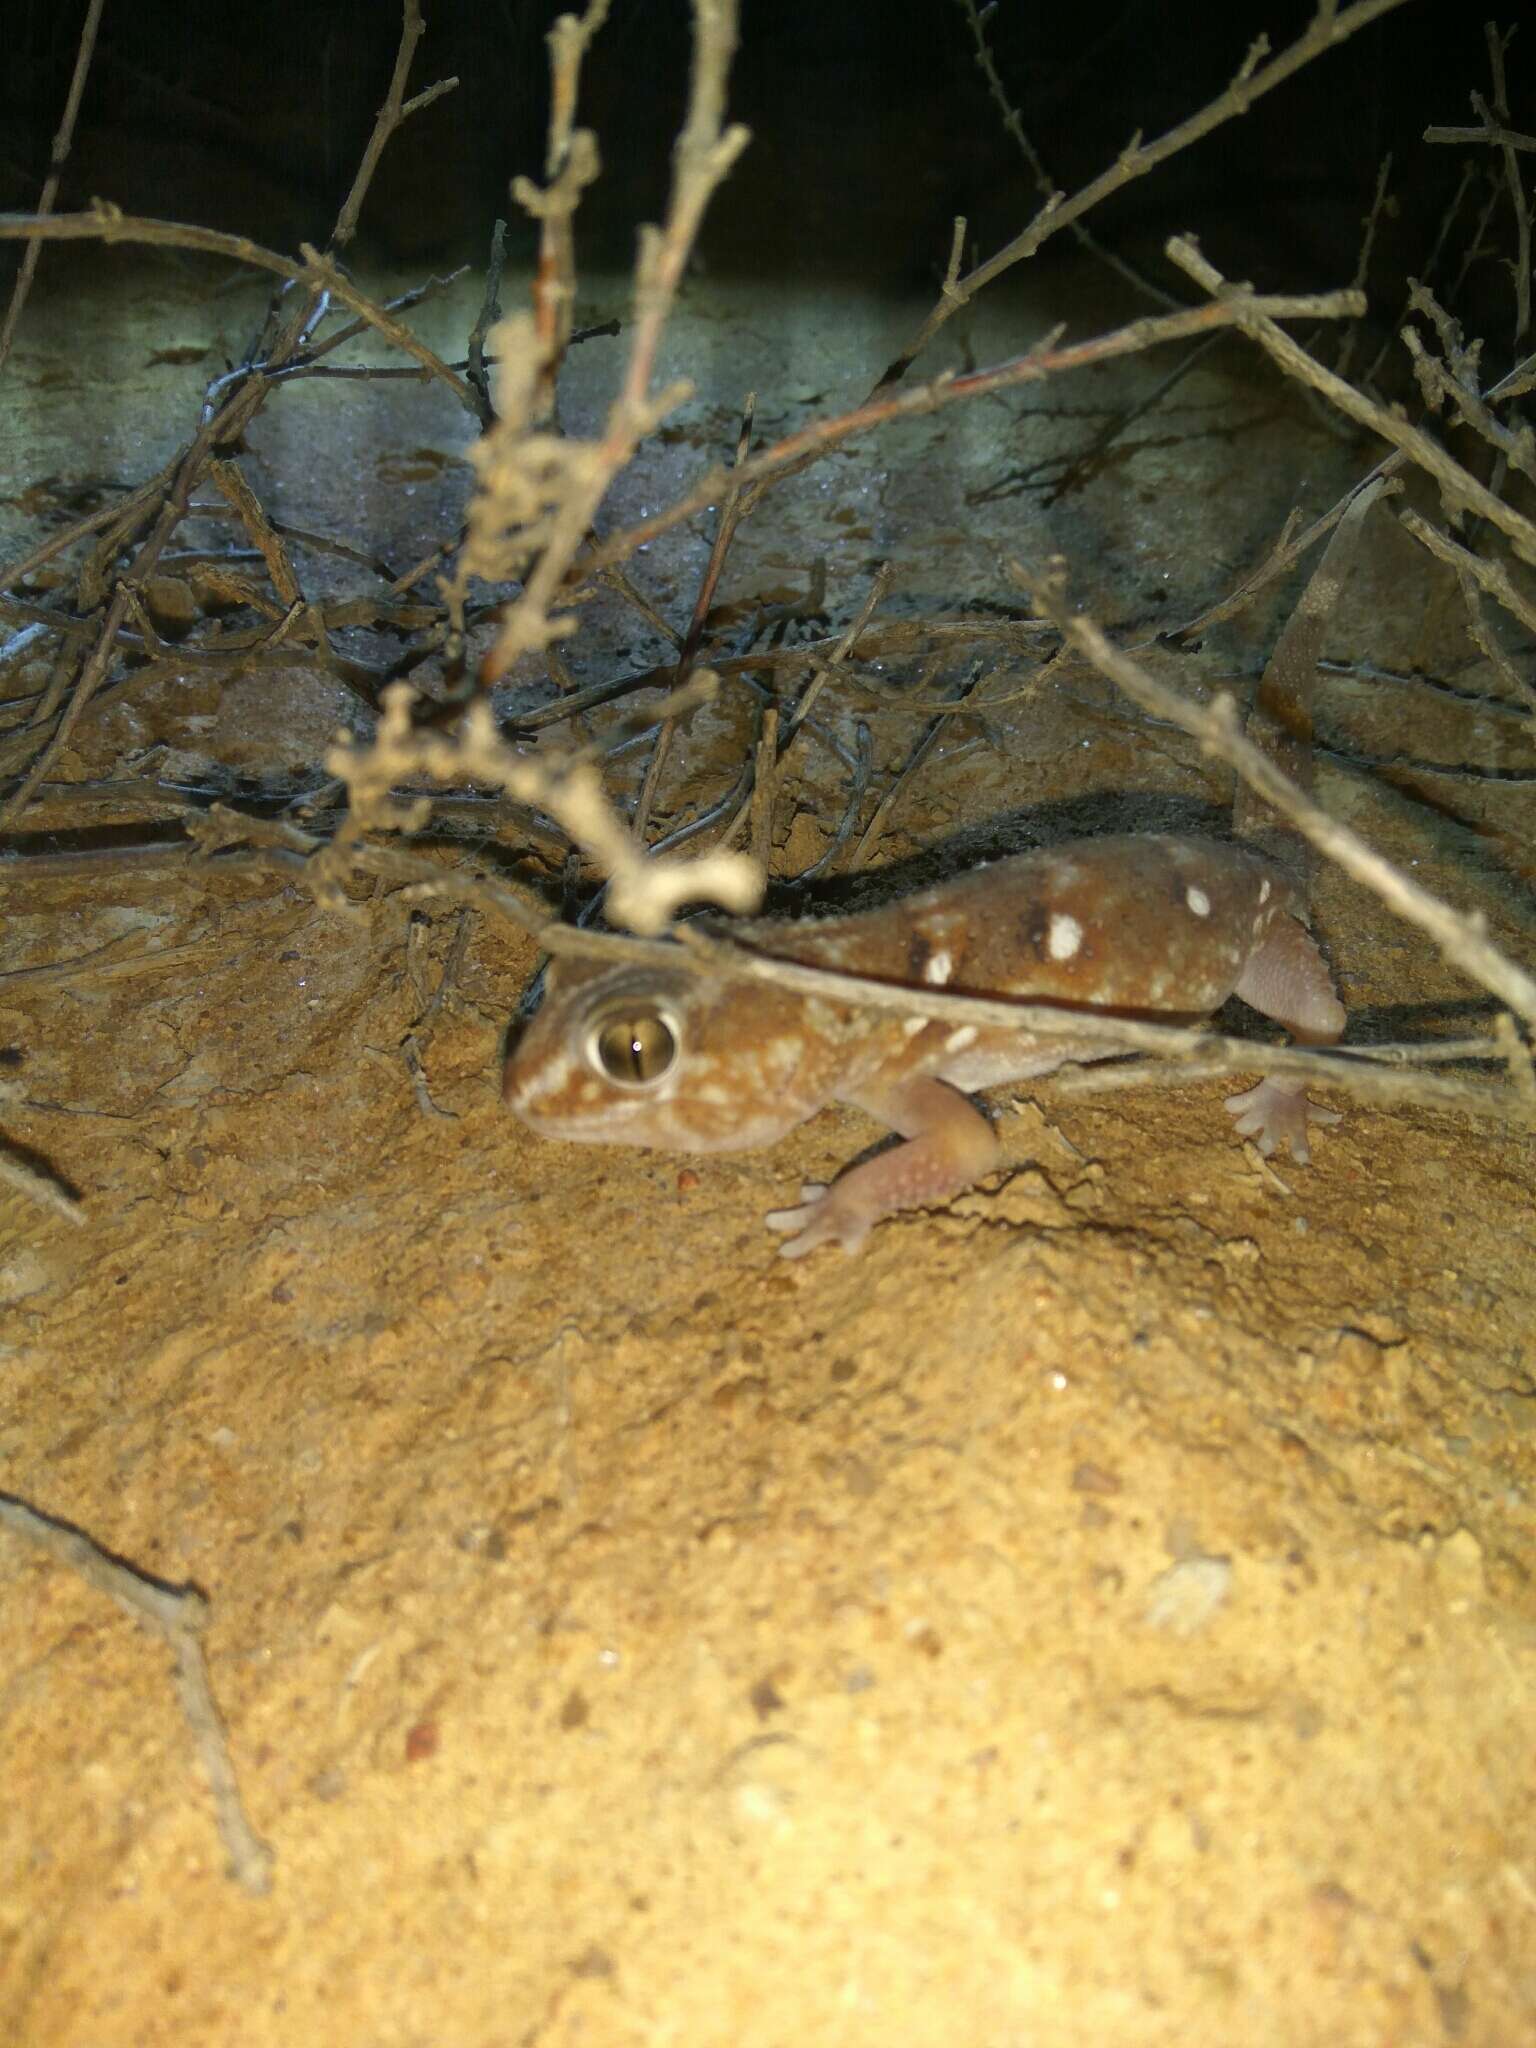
181,1615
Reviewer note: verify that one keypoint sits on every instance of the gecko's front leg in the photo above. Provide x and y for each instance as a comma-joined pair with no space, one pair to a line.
948,1145
1287,978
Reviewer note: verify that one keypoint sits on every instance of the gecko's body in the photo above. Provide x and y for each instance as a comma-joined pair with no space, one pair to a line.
1142,925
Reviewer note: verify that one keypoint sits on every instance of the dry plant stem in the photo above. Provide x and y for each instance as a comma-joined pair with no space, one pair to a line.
1512,385
117,960
1329,26
621,585
826,670
538,492
230,483
1461,489
725,533
92,522
91,678
1013,124
1502,138
702,156
36,1185
570,165
170,497
490,312
784,457
324,273
1081,464
310,360
1476,247
58,157
1431,265
1280,720
107,224
886,640
1514,682
1458,935
869,839
181,1614
1490,576
1519,206
765,790
1388,1088
712,950
1363,262
1454,382
276,842
1518,1059
569,41
292,334
395,110
643,893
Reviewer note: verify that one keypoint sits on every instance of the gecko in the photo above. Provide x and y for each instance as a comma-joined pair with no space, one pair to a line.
1154,926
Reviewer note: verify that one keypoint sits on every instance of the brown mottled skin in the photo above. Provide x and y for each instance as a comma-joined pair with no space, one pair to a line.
1145,925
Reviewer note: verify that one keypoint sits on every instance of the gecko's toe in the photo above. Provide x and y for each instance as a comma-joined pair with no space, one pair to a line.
1273,1115
819,1219
792,1219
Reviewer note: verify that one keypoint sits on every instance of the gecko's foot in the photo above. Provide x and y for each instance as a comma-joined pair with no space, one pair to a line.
1275,1114
819,1218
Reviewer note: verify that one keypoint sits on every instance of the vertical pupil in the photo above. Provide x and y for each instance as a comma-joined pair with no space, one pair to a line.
635,1048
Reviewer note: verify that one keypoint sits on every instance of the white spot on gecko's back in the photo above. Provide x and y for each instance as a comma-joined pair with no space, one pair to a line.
1064,937
957,1041
938,969
1198,901
1263,892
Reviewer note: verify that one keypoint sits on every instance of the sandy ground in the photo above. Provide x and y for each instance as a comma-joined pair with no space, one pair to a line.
1101,1613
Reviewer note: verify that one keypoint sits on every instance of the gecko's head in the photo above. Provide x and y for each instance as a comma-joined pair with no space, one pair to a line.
639,1056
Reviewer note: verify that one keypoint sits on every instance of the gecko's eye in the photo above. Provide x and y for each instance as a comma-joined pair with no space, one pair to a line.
634,1046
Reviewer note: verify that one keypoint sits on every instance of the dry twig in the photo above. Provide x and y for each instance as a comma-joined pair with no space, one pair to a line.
58,157
1259,73
181,1615
1459,935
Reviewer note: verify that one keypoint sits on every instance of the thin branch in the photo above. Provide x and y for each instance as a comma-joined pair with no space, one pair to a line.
58,157
1255,77
1460,936
1492,133
1013,124
105,223
1490,576
1046,360
1459,486
1520,268
539,491
725,533
180,1613
395,110
1363,261
91,678
37,1184
643,893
